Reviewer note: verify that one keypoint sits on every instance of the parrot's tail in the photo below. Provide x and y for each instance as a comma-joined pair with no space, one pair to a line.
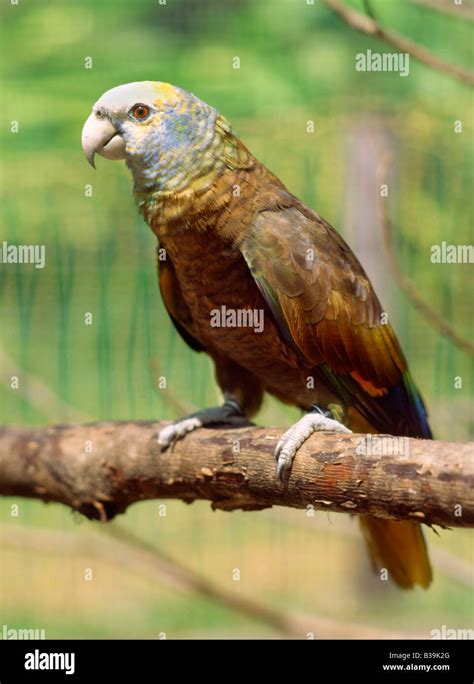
400,548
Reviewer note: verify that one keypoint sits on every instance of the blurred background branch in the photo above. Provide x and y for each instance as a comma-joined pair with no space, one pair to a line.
463,10
412,291
142,558
36,391
371,26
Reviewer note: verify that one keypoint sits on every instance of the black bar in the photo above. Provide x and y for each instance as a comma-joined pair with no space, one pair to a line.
316,661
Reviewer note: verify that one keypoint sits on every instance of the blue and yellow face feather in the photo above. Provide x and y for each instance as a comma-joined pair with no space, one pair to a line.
173,142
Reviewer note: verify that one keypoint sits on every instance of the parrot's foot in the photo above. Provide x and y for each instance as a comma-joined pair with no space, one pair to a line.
298,434
229,413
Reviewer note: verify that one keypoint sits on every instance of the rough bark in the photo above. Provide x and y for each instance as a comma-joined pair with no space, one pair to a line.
99,469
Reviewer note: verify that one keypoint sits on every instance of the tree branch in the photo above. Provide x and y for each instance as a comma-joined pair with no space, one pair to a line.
100,469
365,24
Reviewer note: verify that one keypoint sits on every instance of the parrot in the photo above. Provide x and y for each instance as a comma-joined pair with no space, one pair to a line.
238,242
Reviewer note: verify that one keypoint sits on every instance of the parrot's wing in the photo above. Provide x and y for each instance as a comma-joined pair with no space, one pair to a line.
174,303
324,303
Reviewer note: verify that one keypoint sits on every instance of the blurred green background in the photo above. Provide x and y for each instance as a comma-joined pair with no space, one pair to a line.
296,65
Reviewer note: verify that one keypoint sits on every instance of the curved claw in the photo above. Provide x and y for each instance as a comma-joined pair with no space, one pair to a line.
284,468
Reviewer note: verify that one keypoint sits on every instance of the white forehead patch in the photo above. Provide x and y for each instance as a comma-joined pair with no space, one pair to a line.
123,96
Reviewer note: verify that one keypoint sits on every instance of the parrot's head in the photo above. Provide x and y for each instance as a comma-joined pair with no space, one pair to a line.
165,134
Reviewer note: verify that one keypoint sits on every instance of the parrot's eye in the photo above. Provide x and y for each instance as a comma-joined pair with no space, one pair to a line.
140,111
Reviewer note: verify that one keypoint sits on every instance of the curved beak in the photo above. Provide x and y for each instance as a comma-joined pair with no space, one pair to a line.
100,136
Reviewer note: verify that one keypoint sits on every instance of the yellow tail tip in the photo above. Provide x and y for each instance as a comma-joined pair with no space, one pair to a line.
399,548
